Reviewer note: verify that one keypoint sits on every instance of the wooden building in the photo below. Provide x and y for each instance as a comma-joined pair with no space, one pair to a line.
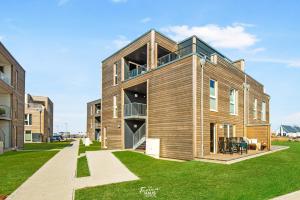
38,118
186,94
12,91
93,122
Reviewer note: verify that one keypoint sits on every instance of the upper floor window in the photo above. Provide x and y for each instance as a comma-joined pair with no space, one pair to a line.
115,77
17,80
91,111
263,111
213,95
115,107
28,119
255,109
233,102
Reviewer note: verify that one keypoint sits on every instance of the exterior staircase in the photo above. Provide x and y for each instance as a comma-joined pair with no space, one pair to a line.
139,137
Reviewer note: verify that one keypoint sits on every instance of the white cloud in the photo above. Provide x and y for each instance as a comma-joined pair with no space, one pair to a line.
233,36
292,119
289,62
62,2
121,41
119,1
145,20
243,24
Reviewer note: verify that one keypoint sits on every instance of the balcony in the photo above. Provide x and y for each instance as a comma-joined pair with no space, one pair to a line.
4,77
97,125
5,112
135,70
174,55
135,111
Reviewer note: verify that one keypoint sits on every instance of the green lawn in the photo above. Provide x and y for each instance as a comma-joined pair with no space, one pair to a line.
259,178
82,167
82,164
46,146
95,146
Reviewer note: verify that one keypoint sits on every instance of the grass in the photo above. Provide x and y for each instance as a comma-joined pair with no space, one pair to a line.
82,167
17,166
46,146
82,164
259,178
95,146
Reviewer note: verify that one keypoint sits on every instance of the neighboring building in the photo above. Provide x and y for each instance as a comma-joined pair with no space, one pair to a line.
93,122
187,95
290,131
38,118
12,91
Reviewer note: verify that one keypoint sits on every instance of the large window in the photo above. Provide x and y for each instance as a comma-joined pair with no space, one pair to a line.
233,101
28,119
255,109
115,107
213,95
115,78
263,111
229,131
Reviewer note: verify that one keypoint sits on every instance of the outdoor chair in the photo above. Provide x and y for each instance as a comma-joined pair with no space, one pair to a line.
243,147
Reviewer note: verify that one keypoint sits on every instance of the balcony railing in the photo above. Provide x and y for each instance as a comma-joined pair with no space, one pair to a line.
5,111
97,124
138,70
139,136
135,110
174,55
4,77
36,106
98,111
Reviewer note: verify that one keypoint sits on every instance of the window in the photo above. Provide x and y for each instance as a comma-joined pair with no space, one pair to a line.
263,111
115,74
255,109
28,136
91,124
229,131
233,101
28,119
115,107
213,94
16,80
91,111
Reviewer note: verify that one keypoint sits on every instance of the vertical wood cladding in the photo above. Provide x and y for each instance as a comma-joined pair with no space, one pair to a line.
170,101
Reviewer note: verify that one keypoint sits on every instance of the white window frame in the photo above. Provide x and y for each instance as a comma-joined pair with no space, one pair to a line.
27,119
228,130
214,97
115,75
115,107
91,110
255,109
235,103
263,111
25,136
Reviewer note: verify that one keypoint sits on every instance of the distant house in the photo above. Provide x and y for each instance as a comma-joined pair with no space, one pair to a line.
290,131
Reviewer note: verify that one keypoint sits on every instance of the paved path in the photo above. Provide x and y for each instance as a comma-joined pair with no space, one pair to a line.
105,168
290,196
54,180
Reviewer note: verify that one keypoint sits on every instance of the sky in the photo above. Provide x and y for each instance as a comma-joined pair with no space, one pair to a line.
61,43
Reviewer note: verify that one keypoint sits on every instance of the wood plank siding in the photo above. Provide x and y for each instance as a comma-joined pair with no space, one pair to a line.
174,93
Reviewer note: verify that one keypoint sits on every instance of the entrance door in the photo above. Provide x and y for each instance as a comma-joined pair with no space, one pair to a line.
212,138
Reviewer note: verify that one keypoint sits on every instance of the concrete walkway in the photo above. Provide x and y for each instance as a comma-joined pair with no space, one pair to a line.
54,180
105,168
290,196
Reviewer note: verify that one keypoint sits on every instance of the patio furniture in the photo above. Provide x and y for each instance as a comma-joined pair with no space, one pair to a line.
243,147
253,144
263,146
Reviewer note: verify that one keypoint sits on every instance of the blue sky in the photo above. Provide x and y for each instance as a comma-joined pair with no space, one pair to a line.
61,43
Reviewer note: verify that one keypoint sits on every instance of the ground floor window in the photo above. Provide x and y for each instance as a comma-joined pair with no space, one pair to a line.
28,136
229,130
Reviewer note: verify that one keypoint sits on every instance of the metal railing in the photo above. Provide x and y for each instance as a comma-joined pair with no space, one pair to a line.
175,55
5,111
5,78
139,136
35,105
138,70
97,124
135,109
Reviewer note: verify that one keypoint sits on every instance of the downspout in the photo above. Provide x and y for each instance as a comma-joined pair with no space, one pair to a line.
245,102
202,62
